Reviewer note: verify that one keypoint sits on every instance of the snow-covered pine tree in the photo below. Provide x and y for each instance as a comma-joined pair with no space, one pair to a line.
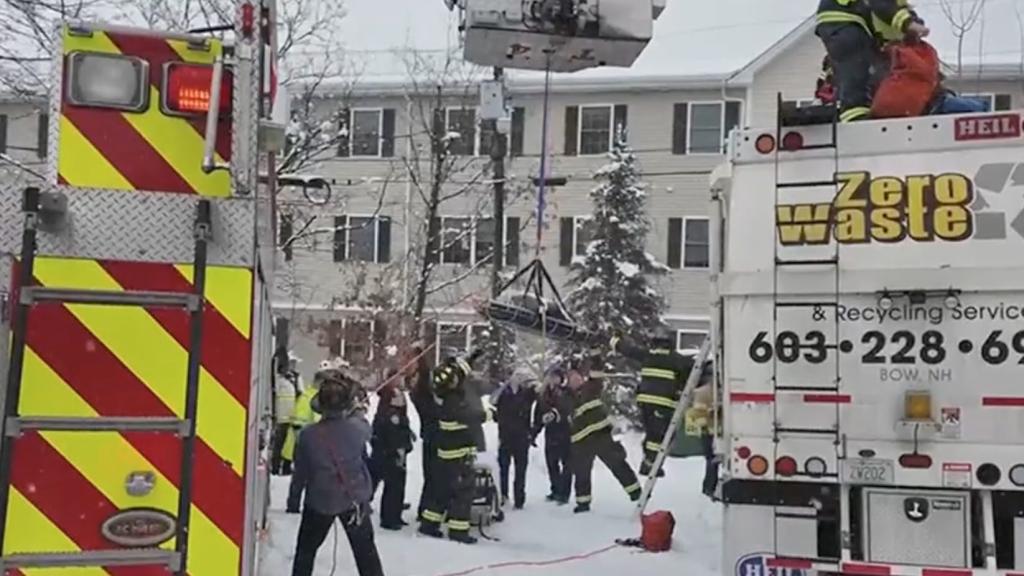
613,292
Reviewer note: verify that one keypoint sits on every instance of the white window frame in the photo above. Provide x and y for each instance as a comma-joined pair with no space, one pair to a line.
476,124
504,239
348,237
722,134
579,129
686,224
576,225
990,96
688,331
352,132
344,338
469,335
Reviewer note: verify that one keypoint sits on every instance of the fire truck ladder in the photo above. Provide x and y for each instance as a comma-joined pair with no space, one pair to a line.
823,260
36,206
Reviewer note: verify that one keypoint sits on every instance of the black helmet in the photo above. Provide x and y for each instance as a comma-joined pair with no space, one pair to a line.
337,393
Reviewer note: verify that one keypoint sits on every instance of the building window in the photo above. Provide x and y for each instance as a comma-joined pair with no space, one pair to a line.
455,338
689,341
582,235
358,341
467,240
994,101
709,125
595,135
462,121
362,239
365,132
695,243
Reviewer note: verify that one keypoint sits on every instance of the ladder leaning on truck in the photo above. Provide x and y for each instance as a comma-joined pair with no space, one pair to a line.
869,328
140,325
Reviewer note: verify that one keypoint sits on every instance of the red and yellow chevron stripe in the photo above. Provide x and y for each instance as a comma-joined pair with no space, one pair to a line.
148,150
88,361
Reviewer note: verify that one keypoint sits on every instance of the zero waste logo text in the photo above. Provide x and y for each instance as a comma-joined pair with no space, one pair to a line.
951,207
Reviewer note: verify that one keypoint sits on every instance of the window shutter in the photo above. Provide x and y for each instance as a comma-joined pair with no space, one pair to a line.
334,330
3,133
281,338
43,138
438,129
518,131
572,122
434,241
383,239
512,241
566,247
387,137
430,340
340,238
344,136
680,120
285,232
733,114
620,120
1003,102
675,243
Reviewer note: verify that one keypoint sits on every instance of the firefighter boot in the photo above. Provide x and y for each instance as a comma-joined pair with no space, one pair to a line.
461,537
581,508
431,530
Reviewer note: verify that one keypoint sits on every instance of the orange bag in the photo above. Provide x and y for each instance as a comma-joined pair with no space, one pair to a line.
911,83
657,531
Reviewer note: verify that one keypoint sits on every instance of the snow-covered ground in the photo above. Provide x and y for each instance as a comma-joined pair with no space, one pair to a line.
532,537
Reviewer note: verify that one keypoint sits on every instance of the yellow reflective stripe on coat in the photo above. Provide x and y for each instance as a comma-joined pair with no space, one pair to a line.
458,525
632,488
450,426
431,516
606,423
837,17
661,373
652,446
456,454
656,400
855,114
584,499
587,407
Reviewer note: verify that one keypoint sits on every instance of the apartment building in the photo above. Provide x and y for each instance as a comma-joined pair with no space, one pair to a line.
351,258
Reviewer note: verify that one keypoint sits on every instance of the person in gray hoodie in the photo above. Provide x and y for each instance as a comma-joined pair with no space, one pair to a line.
330,469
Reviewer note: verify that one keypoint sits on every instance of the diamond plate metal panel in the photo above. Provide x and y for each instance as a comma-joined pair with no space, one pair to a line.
917,527
148,227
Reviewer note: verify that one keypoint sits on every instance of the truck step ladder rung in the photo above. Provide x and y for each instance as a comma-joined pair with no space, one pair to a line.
809,431
17,426
808,389
97,558
807,304
36,294
825,146
808,184
830,261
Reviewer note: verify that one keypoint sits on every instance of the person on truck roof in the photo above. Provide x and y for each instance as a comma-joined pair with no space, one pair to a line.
663,376
850,31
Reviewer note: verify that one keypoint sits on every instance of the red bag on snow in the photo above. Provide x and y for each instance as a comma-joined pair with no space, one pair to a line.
657,531
911,84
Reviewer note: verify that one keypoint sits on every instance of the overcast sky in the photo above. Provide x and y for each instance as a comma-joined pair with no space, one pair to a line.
692,36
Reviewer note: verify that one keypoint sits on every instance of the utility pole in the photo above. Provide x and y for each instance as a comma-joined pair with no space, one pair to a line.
498,150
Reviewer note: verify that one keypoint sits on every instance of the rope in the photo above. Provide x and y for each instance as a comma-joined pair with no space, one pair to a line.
542,180
532,564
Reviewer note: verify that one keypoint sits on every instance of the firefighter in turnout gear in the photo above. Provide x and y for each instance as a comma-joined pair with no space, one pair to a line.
592,438
663,376
390,444
848,29
452,495
287,387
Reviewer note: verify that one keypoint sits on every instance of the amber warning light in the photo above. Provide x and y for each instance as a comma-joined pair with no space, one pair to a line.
187,89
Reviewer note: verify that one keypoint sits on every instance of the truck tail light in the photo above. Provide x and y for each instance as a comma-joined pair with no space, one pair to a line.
918,461
743,452
758,465
989,474
108,81
1017,475
785,466
765,144
187,89
815,466
792,141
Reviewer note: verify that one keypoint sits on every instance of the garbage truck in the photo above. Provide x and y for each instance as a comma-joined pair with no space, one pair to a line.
868,328
138,321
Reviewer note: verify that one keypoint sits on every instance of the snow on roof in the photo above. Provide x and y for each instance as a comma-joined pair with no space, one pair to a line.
695,43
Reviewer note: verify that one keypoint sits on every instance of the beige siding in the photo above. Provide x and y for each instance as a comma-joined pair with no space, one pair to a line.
793,73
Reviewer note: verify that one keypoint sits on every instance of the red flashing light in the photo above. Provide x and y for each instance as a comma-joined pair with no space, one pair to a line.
248,19
765,144
743,452
792,141
785,466
917,461
187,89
